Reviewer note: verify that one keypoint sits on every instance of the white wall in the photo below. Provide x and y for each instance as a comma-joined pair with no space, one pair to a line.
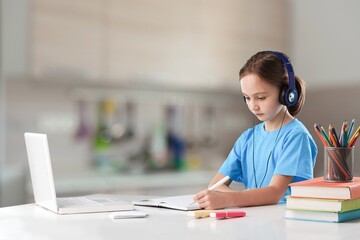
14,37
325,42
325,38
13,61
2,86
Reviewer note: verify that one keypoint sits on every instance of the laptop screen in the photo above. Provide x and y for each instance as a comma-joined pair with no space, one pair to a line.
41,170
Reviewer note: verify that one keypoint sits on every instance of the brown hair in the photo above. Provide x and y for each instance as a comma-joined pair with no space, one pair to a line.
272,70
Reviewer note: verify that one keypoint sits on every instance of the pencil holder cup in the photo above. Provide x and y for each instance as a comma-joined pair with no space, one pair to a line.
338,164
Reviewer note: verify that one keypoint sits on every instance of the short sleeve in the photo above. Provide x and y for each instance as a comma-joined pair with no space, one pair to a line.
297,157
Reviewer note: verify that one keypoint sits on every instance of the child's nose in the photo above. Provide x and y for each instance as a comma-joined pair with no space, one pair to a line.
255,106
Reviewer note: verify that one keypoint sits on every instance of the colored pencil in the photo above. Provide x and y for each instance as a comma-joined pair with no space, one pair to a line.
351,127
333,137
345,139
335,134
342,133
318,132
325,136
354,137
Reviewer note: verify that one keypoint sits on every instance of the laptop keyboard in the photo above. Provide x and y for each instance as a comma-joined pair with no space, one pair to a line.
76,201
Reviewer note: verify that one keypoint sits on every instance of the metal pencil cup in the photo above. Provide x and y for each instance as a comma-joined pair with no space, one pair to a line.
338,164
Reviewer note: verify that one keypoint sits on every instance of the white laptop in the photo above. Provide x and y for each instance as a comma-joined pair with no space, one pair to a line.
44,188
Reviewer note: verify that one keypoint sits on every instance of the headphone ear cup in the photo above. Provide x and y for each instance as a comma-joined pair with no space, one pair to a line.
282,94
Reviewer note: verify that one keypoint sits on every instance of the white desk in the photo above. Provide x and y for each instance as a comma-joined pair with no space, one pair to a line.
31,222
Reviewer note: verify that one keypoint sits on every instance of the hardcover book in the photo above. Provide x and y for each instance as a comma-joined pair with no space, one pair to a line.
318,204
335,217
318,188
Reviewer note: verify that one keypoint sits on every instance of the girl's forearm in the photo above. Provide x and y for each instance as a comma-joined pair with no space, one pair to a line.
254,197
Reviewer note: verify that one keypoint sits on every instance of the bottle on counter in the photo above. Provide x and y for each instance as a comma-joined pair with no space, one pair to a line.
175,141
102,138
158,150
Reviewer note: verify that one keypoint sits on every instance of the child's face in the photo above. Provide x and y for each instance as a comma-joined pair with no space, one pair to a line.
261,97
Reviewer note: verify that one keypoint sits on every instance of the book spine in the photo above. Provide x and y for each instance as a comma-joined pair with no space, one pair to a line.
318,204
322,216
354,191
348,216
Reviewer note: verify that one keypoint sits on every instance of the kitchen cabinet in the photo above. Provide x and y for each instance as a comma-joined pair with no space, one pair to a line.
190,43
67,39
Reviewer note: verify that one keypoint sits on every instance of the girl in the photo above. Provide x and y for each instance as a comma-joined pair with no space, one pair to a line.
274,153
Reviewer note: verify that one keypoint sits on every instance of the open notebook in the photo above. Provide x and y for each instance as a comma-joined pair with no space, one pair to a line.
44,188
183,202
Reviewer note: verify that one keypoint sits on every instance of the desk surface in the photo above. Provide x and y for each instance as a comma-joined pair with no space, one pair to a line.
266,222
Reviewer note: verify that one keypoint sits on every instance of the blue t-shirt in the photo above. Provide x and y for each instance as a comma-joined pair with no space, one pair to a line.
289,151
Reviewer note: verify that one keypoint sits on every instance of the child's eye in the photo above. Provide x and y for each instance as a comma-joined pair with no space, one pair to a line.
246,98
261,98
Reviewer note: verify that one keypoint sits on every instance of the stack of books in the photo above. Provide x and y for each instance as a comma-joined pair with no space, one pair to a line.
318,200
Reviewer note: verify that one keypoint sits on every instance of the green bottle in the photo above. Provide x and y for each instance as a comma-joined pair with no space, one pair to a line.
102,139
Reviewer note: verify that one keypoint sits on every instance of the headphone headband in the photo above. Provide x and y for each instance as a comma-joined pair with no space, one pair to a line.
290,95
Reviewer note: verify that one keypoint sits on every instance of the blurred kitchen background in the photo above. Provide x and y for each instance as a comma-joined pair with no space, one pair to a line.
142,97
